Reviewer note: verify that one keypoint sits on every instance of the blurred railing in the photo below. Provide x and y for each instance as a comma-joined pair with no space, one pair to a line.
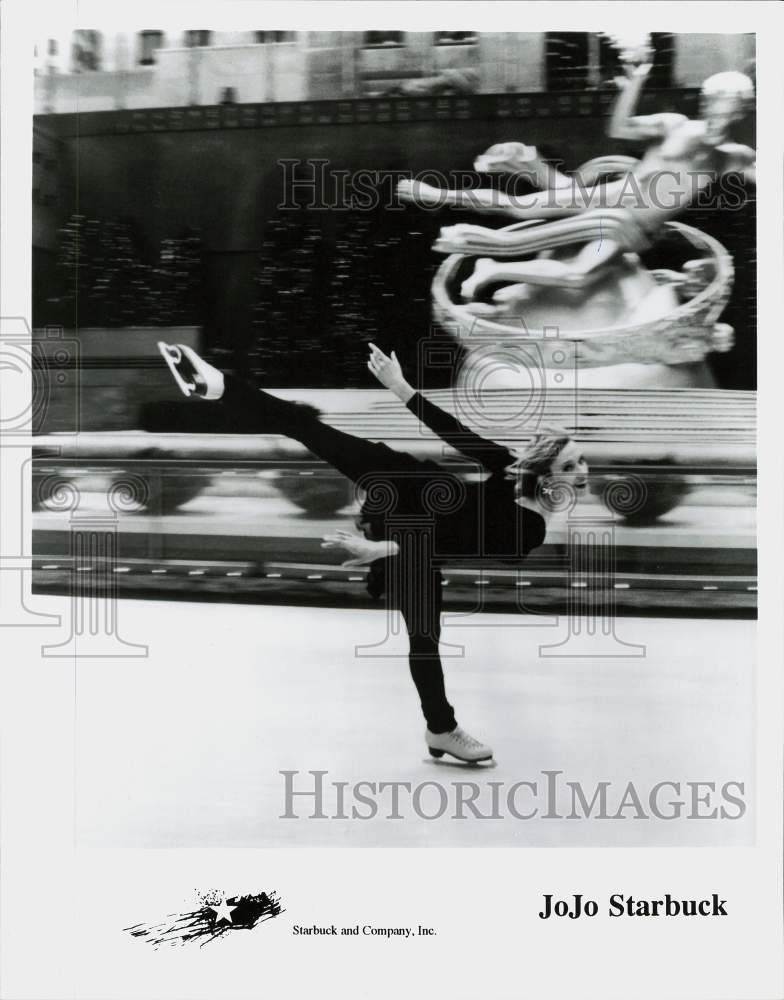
243,516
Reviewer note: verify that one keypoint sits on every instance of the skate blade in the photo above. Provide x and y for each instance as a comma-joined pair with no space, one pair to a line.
463,760
173,357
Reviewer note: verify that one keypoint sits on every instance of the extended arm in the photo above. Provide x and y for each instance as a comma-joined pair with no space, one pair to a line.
624,124
494,457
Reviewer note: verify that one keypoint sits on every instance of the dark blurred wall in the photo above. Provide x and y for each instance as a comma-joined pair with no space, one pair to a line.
296,292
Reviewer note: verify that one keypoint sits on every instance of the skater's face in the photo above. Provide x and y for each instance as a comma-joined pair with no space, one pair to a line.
570,468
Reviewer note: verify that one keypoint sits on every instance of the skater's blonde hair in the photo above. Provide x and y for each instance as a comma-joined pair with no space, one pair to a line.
537,459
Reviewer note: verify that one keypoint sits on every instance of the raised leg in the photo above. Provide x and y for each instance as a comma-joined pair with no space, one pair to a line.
253,410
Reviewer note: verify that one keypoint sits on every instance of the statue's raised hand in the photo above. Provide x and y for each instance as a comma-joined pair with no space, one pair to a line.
634,71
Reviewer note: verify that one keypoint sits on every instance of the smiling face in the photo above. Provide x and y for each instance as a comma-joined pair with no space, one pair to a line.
551,461
569,467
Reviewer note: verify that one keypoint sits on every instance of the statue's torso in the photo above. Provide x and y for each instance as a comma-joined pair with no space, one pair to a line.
672,174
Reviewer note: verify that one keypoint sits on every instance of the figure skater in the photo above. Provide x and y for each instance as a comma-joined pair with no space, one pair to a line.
417,514
604,221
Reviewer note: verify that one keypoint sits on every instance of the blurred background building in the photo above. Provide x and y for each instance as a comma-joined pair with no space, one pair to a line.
97,70
160,198
204,187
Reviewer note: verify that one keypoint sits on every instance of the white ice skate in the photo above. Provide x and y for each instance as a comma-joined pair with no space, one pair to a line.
191,373
459,744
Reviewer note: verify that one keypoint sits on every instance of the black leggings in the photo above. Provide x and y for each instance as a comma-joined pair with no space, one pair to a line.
414,582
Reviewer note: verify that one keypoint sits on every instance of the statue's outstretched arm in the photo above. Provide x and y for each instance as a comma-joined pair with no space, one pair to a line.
484,200
624,124
647,127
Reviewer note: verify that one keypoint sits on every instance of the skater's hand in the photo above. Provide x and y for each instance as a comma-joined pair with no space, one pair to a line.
361,549
389,373
386,369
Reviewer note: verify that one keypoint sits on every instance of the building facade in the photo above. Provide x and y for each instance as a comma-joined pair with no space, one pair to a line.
95,70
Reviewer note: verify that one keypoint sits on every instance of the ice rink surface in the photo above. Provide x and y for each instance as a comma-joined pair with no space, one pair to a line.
184,748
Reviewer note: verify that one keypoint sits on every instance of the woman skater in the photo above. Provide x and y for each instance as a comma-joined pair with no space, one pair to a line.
416,515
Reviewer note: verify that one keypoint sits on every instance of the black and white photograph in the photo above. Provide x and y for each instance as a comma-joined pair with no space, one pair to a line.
389,480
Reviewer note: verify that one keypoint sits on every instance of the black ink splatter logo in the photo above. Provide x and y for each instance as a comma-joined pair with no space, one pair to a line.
218,914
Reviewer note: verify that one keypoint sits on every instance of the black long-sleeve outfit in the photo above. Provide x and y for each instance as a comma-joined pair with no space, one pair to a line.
432,514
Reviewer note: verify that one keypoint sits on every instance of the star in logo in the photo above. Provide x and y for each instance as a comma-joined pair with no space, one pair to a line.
223,911
210,918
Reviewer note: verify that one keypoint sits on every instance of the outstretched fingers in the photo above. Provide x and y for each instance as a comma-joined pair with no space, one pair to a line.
377,361
338,538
